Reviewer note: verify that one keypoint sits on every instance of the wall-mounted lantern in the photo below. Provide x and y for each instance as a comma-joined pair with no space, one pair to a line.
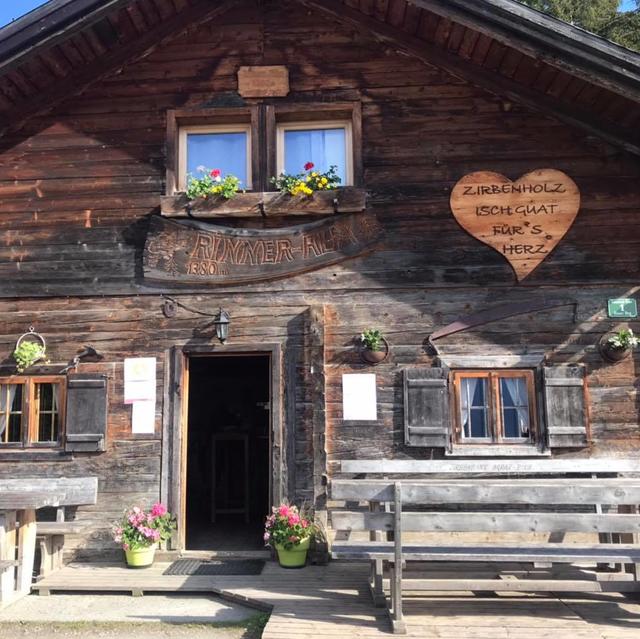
221,322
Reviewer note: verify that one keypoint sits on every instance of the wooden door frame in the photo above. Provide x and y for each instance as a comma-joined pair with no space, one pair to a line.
175,424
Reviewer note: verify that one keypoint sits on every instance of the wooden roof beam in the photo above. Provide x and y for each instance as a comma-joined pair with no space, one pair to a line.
488,80
49,25
543,37
84,77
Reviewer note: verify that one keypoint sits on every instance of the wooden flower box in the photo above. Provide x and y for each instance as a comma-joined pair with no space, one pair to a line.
347,199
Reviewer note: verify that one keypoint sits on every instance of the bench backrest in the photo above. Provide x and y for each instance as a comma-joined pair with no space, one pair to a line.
483,504
489,467
77,491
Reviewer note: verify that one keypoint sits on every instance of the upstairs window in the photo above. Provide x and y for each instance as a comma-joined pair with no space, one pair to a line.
31,411
224,147
494,407
258,142
325,144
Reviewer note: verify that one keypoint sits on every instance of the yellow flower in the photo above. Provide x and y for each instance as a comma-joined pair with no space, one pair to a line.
324,180
314,174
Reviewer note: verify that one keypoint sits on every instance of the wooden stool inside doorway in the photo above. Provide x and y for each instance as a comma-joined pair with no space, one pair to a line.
224,475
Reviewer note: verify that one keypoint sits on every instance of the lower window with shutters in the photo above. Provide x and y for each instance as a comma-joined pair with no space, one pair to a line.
32,411
501,412
495,407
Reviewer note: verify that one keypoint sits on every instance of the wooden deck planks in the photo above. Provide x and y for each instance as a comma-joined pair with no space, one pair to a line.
334,601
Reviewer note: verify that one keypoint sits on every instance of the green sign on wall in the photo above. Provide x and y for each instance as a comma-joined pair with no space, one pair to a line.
623,307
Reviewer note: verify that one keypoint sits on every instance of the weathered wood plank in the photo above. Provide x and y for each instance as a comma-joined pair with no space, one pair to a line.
258,205
478,491
73,490
495,467
488,522
522,552
192,252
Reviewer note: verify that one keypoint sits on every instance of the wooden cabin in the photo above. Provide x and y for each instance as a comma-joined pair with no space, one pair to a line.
207,352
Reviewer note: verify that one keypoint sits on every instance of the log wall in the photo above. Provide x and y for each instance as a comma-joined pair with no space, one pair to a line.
77,187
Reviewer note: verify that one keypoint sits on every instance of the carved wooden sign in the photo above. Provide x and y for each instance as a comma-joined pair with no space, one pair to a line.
522,220
263,82
191,252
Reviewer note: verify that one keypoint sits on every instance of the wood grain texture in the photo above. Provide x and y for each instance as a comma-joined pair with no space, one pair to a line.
269,204
522,220
263,81
200,253
79,185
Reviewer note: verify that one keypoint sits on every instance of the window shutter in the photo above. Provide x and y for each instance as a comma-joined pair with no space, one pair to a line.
565,406
426,407
86,416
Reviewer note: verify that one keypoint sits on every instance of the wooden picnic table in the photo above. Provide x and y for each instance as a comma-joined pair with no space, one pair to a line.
18,538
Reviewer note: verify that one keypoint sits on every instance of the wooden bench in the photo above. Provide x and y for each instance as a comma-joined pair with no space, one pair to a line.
77,491
551,496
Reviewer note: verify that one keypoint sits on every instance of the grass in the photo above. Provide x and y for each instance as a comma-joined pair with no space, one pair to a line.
250,629
255,625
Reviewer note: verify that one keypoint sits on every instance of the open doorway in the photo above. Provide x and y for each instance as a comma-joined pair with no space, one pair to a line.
228,450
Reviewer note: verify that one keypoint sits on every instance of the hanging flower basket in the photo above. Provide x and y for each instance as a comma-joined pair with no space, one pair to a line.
30,348
374,348
614,347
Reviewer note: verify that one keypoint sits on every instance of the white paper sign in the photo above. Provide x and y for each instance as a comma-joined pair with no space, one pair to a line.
359,397
143,417
139,380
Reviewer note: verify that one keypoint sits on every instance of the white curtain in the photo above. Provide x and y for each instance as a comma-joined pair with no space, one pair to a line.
55,407
517,388
469,386
7,394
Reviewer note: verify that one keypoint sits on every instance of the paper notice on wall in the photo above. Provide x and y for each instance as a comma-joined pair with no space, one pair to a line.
143,417
139,380
359,397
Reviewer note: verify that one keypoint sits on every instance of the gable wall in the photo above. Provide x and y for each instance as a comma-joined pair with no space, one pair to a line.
77,185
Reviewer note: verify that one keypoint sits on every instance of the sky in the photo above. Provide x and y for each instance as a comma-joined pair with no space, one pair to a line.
12,9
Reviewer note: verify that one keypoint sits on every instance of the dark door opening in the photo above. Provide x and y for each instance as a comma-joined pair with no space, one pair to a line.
228,467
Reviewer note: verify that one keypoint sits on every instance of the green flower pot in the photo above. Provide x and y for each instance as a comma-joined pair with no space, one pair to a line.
140,557
296,557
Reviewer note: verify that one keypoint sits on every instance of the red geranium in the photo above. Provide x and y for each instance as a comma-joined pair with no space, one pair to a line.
215,173
308,166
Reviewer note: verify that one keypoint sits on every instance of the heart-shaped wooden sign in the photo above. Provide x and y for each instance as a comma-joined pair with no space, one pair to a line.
522,220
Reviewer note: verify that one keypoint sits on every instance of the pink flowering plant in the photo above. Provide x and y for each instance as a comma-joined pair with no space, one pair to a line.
139,529
286,526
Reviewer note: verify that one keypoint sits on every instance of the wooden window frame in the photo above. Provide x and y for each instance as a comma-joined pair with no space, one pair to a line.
263,120
218,119
184,131
495,423
303,116
316,125
30,410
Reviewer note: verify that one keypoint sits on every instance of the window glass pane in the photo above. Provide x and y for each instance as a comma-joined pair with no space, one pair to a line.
224,151
474,408
47,396
515,406
323,147
11,413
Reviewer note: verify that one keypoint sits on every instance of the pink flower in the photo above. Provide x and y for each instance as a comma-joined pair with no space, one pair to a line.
215,173
294,519
304,523
283,511
308,166
266,536
159,510
293,539
125,546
